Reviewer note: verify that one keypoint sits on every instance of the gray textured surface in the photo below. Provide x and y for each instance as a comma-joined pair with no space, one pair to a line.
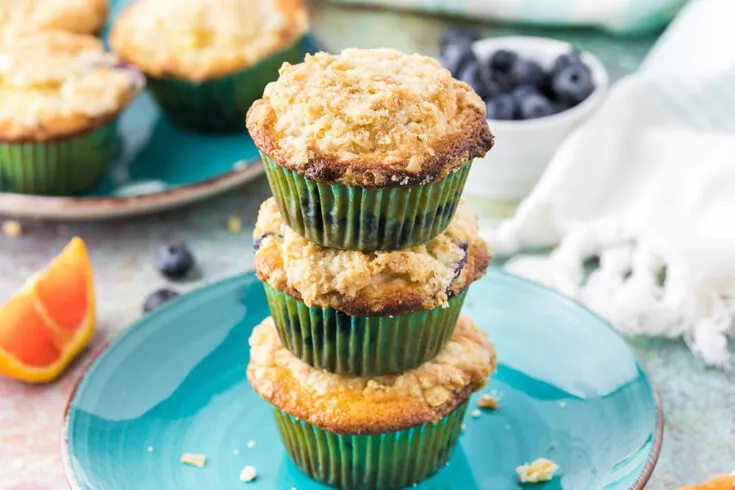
700,419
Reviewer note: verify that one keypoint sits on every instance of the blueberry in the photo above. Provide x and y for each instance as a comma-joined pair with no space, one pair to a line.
458,35
573,84
472,76
456,57
502,107
573,58
174,260
521,92
157,298
503,60
534,105
528,72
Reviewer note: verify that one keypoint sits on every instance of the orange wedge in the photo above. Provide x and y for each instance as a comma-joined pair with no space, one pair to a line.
719,483
45,325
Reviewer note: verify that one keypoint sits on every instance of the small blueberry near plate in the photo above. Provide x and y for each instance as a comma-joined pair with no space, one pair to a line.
534,105
174,260
157,298
570,389
502,108
573,84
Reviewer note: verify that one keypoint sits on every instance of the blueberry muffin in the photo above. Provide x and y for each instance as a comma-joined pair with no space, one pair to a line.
368,149
59,100
208,60
371,432
366,313
79,16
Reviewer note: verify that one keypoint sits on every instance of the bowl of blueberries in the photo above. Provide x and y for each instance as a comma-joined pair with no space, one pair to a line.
536,91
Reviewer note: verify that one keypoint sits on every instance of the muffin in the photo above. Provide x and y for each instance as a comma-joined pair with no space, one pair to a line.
208,60
383,432
369,149
366,313
78,16
59,99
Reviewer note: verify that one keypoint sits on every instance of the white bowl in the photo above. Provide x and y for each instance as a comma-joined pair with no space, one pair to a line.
523,148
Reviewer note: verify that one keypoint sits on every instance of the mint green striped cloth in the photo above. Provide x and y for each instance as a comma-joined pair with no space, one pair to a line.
618,16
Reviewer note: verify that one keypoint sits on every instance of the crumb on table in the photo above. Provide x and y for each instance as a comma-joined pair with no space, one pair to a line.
251,444
248,474
538,471
234,225
488,402
12,228
192,459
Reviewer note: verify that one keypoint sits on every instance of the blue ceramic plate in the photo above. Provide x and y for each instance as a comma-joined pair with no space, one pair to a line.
570,390
158,166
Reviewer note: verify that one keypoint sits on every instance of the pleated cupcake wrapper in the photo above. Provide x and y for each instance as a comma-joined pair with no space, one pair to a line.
367,219
218,105
61,166
361,345
375,462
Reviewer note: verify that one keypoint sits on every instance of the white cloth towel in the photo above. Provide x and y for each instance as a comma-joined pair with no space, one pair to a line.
647,185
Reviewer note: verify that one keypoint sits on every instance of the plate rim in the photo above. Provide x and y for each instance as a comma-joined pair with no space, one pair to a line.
58,208
74,484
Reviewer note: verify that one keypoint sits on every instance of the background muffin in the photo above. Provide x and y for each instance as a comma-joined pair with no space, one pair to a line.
207,61
366,313
80,16
368,149
59,98
418,412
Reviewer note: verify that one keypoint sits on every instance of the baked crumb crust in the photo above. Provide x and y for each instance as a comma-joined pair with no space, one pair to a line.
79,16
199,40
369,118
370,283
362,405
55,83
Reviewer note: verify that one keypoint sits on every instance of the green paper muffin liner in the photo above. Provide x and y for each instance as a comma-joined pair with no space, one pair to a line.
361,218
218,105
61,166
361,345
379,462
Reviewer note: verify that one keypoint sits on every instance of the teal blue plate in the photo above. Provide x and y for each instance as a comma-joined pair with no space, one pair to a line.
158,166
570,390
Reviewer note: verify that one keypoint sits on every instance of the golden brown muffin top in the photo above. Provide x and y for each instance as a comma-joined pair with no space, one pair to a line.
56,83
370,283
371,405
203,39
80,16
370,118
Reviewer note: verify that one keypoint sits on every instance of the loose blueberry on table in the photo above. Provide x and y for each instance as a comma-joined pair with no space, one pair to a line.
515,88
157,298
174,260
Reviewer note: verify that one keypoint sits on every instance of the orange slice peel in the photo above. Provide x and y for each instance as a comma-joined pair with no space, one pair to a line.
719,483
45,325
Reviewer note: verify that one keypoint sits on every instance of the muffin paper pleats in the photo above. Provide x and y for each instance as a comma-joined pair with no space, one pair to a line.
59,166
362,218
339,343
371,462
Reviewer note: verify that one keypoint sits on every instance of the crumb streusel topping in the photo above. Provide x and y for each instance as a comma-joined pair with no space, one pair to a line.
81,16
373,117
365,405
54,82
370,283
203,39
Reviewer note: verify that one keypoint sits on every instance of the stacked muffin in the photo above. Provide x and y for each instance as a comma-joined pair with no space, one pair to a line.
366,254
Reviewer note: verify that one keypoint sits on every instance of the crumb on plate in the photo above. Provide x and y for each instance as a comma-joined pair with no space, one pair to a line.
150,449
540,470
192,459
248,474
476,413
12,228
488,402
236,452
251,444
